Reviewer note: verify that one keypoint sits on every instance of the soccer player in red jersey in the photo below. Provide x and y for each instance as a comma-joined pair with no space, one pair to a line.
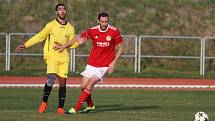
102,57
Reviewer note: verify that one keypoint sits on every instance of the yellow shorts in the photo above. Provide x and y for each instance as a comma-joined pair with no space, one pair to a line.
57,67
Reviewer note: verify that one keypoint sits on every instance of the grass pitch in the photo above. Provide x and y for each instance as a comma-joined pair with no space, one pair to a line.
21,104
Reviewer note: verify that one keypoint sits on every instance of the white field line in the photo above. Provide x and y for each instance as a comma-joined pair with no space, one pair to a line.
115,86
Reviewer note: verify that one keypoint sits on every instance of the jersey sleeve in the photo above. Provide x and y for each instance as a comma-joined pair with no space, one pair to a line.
75,45
41,36
118,37
72,35
86,34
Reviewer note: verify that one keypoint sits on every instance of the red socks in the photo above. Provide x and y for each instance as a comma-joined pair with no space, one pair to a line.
84,95
89,101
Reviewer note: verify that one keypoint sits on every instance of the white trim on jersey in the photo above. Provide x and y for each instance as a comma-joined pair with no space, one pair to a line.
99,28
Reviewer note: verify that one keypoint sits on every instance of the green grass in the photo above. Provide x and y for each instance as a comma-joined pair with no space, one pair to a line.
161,17
20,104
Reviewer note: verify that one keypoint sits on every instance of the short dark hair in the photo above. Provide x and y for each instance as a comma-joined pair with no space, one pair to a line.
60,4
103,14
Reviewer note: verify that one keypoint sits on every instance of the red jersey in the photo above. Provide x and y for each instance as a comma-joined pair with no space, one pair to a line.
104,42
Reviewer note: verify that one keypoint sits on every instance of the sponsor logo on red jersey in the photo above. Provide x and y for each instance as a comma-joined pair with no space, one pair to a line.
103,44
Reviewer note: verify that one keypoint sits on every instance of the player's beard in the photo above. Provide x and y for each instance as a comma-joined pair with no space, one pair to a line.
62,17
103,28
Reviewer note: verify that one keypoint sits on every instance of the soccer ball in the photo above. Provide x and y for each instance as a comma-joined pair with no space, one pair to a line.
201,116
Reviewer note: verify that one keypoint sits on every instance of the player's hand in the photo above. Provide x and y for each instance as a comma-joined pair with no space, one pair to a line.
111,67
62,48
59,47
20,48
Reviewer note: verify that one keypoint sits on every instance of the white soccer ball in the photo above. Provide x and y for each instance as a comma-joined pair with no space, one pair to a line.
201,116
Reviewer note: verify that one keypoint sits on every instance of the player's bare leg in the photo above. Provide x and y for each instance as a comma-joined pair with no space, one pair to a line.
94,80
84,82
61,94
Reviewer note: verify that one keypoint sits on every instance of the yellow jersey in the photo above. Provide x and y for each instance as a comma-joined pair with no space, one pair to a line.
51,33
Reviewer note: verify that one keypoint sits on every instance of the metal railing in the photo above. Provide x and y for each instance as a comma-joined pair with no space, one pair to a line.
73,52
137,55
204,52
170,57
18,54
6,51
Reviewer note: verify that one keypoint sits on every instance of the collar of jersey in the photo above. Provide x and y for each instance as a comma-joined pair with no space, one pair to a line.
104,30
61,23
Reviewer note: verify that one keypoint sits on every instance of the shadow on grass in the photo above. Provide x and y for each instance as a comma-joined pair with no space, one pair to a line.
121,107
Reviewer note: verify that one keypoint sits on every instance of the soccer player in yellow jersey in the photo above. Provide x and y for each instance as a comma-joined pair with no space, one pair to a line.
56,32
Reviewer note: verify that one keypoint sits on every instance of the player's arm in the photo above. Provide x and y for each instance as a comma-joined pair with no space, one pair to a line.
70,44
120,50
73,43
118,55
35,39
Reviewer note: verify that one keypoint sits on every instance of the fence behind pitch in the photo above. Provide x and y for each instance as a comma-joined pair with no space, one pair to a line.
146,54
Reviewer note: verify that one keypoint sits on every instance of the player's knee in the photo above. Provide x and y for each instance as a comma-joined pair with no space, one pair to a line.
51,79
62,82
94,80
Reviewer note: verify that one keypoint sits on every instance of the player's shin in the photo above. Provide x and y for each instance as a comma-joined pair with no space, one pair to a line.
84,95
46,92
62,96
89,101
48,87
